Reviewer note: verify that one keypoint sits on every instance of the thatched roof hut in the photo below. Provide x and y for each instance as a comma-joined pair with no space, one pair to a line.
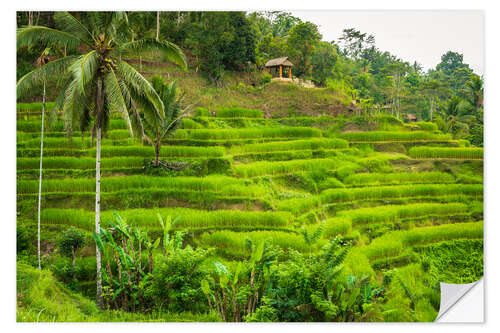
276,64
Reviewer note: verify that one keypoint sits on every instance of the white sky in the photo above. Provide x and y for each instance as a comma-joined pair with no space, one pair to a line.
422,36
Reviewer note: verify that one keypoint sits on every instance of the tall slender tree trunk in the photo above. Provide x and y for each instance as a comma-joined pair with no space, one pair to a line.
40,181
100,102
157,26
157,154
432,108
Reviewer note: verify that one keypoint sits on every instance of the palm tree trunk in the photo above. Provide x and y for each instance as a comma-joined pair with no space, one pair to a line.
100,102
40,182
157,26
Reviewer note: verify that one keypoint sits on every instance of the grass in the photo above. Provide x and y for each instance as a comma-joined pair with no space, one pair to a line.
445,152
41,298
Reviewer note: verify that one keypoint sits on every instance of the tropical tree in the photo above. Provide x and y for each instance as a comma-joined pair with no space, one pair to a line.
452,118
96,80
156,127
474,94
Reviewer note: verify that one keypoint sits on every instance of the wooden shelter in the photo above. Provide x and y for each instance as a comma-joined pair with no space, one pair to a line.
275,66
411,117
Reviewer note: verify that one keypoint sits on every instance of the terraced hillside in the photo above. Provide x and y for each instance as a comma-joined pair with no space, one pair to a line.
408,198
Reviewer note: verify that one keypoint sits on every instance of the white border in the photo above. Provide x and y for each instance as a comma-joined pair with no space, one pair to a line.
492,132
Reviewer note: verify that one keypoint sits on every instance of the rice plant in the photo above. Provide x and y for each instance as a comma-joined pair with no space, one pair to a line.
166,151
190,219
238,112
318,143
247,133
236,242
364,179
381,136
390,213
445,152
218,184
392,243
275,168
399,191
336,226
79,162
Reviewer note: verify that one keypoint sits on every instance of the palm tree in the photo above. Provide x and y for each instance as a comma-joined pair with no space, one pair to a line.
156,128
96,81
474,93
452,119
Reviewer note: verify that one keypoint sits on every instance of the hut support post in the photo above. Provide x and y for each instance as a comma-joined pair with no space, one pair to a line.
290,73
281,71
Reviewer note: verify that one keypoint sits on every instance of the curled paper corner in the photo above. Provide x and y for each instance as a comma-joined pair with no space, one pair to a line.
461,302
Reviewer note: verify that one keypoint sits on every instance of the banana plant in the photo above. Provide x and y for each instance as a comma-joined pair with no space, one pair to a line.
170,245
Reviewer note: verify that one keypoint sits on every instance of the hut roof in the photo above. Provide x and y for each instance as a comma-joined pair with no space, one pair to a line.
279,61
411,116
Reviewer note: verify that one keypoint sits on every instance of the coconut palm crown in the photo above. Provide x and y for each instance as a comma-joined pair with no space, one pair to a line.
97,81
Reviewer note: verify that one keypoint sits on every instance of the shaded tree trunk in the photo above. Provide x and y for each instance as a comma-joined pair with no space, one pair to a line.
40,181
100,102
157,154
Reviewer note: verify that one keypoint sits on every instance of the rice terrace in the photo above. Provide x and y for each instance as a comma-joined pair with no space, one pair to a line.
183,180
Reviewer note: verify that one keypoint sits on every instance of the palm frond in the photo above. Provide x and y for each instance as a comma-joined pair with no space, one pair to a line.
85,68
170,50
115,98
72,25
140,86
28,36
36,77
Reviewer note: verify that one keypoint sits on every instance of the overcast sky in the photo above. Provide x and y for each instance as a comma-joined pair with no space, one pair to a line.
422,36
